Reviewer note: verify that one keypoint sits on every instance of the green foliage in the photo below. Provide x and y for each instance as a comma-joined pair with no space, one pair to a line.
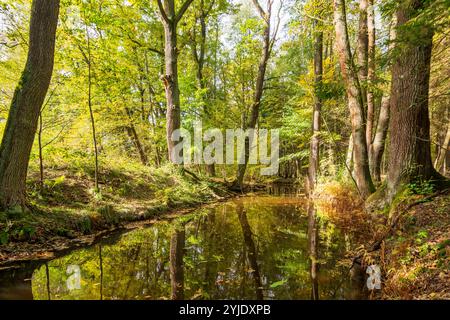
51,184
278,284
5,232
421,187
109,215
421,236
18,231
4,237
85,225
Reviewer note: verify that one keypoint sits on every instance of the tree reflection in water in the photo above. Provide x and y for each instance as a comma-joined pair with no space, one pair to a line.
177,242
313,256
251,247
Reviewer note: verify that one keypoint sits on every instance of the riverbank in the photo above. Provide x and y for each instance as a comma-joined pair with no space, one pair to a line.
410,241
416,257
67,213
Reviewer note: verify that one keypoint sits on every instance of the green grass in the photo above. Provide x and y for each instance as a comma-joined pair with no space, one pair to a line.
68,206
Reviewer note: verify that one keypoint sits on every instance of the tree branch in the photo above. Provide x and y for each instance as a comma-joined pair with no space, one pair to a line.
211,5
144,46
182,10
57,136
9,46
317,18
260,10
49,97
277,27
162,11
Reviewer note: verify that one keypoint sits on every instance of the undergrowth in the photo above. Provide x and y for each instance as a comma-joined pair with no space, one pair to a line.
67,205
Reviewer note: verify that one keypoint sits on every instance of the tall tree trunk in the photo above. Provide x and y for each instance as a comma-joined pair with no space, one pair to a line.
198,51
354,96
41,160
349,156
170,19
153,114
254,110
91,111
370,73
409,149
362,50
135,138
378,145
173,117
26,104
443,153
315,139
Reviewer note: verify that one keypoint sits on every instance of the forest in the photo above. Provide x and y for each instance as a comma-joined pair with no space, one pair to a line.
109,191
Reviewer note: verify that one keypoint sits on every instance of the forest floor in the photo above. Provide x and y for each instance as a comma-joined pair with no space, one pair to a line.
67,213
414,254
416,258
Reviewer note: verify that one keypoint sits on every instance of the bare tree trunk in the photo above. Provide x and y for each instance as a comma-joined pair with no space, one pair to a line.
362,50
91,112
153,115
349,157
170,19
254,110
135,138
378,145
361,165
315,139
26,104
409,149
443,153
370,73
442,145
41,160
198,51
173,117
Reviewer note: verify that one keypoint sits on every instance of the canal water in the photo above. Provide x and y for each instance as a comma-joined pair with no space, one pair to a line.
253,247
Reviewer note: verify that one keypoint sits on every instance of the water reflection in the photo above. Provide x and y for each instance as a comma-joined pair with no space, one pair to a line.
250,250
100,258
283,189
73,282
177,243
15,284
313,255
260,247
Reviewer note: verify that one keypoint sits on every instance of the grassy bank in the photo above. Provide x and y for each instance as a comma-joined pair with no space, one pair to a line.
68,210
410,240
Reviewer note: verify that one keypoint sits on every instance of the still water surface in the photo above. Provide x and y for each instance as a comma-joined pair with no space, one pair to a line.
254,247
